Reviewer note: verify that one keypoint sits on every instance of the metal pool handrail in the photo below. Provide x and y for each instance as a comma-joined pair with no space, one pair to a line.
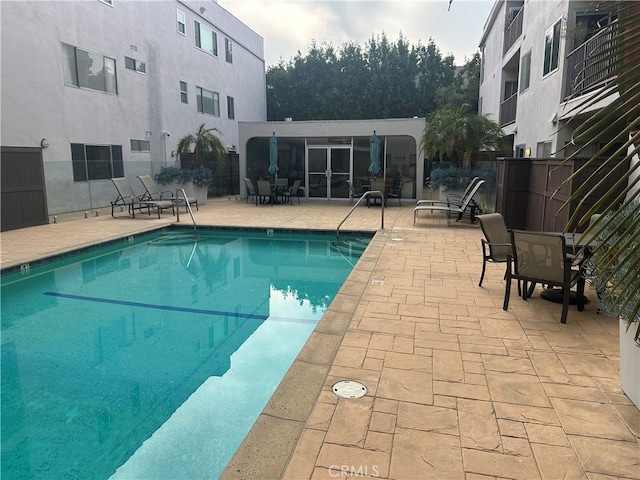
186,201
364,195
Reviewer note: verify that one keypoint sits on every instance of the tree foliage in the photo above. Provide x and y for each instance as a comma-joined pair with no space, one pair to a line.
204,142
615,265
459,134
381,79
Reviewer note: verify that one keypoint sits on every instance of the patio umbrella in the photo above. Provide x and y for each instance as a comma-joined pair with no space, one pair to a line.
374,167
273,154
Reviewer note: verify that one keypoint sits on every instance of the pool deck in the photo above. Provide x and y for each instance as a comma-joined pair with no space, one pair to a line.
457,388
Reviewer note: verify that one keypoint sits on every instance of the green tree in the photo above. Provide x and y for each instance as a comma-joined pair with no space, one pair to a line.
434,72
464,89
383,79
204,142
459,135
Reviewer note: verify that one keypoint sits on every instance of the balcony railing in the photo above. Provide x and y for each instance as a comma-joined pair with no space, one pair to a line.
513,31
508,110
591,65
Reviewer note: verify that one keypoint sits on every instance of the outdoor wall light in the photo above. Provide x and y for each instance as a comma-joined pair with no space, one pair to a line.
44,143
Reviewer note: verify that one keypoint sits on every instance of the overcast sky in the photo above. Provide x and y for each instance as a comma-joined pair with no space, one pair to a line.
291,25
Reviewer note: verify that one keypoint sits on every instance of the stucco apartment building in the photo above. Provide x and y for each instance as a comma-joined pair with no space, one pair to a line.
534,53
99,88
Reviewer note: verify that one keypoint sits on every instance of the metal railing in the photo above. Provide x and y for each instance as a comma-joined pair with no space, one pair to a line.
508,110
513,31
368,194
186,201
591,65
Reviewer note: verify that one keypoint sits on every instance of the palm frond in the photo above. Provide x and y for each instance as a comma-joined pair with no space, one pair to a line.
614,267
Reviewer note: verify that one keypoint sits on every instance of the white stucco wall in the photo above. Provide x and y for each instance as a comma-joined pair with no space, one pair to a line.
37,104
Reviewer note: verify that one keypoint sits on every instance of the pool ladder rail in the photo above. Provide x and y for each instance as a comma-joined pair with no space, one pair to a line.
364,196
186,201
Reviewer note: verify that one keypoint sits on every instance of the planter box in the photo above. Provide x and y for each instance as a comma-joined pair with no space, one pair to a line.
629,363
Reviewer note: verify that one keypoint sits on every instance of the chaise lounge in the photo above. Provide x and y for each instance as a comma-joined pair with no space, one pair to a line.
152,192
452,208
127,197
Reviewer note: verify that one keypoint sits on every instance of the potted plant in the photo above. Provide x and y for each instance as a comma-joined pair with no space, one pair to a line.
616,262
614,271
199,146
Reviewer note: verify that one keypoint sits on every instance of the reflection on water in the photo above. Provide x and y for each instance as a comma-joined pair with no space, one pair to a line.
100,351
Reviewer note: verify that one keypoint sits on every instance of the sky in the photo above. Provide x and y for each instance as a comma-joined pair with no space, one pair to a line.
289,26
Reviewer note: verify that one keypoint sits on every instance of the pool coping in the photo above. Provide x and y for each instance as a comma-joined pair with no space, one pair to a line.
268,447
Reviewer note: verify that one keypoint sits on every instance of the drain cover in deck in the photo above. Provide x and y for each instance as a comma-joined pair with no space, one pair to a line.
349,389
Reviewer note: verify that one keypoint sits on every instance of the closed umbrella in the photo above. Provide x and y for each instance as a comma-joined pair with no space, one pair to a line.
273,154
374,167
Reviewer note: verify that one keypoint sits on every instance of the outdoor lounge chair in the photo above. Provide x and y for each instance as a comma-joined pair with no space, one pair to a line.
292,192
377,185
152,192
496,246
542,258
127,197
251,190
453,208
452,198
265,194
354,193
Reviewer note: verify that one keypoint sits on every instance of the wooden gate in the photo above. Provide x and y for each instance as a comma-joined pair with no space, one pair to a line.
24,201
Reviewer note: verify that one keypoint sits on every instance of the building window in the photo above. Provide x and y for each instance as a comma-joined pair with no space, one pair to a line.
525,71
206,39
231,111
182,22
96,162
228,48
183,92
140,145
551,48
137,65
208,102
543,149
88,70
510,89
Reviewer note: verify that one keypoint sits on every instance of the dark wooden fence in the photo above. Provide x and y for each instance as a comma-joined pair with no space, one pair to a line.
529,197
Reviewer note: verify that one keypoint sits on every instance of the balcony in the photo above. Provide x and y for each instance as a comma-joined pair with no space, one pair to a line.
508,110
589,66
513,31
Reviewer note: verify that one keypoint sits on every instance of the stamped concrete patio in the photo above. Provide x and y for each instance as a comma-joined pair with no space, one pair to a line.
457,387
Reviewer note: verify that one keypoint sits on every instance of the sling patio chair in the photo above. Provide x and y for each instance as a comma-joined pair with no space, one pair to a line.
152,192
496,246
452,209
355,192
127,197
251,190
542,258
292,192
265,193
453,198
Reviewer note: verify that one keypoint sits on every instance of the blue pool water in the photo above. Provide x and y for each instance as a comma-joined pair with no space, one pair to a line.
153,357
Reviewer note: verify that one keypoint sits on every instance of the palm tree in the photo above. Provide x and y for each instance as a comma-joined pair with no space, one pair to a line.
204,142
616,257
460,135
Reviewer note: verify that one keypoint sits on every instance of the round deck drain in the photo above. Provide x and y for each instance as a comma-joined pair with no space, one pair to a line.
349,389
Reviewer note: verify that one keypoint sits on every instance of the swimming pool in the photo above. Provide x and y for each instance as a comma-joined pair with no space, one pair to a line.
153,357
